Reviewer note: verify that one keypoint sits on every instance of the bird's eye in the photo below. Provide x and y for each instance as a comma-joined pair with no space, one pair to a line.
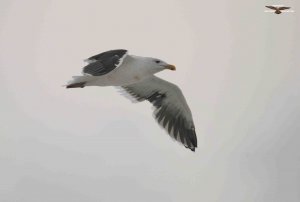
157,61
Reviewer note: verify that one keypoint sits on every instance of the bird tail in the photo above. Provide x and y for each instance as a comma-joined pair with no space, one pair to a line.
78,81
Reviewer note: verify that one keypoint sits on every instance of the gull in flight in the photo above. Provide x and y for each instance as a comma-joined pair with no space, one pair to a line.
134,75
278,9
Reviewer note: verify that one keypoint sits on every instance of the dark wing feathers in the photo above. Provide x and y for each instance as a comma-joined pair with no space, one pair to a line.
283,8
278,8
108,54
171,110
105,62
272,7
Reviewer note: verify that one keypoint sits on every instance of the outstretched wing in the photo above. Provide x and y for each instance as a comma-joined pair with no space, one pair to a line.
171,109
272,7
104,62
283,8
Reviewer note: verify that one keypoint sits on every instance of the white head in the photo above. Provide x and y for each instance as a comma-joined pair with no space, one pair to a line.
155,65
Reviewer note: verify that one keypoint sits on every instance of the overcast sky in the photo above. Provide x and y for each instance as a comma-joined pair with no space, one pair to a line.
237,66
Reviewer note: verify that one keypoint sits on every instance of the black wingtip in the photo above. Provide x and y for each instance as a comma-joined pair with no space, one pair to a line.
76,85
191,148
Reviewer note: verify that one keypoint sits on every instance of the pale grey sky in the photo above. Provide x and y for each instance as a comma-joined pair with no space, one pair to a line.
237,66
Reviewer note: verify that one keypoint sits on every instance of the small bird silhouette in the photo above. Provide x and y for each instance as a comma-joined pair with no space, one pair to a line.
278,9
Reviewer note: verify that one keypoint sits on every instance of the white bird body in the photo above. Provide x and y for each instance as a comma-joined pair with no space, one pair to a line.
131,71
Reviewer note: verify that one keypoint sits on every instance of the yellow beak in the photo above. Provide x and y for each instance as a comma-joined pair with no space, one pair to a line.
170,67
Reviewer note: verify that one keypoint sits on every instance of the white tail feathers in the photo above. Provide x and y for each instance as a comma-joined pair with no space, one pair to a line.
79,79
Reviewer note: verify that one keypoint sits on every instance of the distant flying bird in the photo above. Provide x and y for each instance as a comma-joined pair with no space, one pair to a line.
278,9
135,76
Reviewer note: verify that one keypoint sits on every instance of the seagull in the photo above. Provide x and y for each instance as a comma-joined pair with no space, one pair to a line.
278,9
134,75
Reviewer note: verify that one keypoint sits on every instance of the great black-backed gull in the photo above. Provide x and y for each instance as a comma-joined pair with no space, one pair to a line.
135,76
